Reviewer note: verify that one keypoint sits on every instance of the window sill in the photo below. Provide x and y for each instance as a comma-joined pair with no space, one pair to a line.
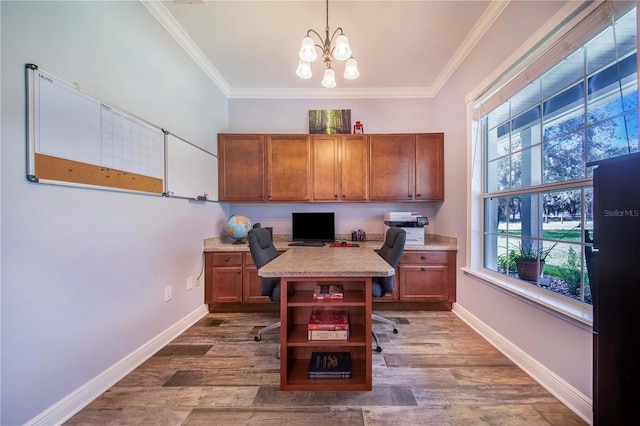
559,306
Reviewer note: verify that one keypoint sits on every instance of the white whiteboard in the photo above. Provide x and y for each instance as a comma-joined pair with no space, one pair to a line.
191,171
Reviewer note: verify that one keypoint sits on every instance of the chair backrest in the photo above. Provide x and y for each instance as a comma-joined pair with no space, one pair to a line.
391,252
262,252
393,246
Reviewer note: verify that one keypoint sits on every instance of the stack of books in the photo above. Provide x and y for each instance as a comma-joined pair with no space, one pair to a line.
330,365
328,292
328,324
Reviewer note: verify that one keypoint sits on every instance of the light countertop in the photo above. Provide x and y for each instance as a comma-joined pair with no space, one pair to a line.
374,242
327,262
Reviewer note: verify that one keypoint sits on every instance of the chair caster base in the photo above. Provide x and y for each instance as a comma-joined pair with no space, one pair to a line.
257,338
378,349
395,331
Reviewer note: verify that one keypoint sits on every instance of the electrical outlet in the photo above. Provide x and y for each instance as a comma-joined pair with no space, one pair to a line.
198,280
168,293
189,283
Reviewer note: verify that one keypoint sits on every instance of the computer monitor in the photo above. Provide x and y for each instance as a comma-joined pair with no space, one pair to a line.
313,227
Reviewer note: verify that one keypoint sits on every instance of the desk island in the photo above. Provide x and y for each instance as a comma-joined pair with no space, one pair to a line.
301,269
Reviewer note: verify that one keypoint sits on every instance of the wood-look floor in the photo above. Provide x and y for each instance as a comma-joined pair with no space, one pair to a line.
436,371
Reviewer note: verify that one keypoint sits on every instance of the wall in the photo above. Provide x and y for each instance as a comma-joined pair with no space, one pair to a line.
561,346
84,270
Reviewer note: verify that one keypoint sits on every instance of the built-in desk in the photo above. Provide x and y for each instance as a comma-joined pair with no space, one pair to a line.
301,269
425,278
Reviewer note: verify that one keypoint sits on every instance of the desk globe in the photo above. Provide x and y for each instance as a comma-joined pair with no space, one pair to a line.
238,227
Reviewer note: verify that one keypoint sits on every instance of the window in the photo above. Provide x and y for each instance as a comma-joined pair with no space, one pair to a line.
535,190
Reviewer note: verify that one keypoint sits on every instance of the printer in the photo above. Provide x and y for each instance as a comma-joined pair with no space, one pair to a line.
412,223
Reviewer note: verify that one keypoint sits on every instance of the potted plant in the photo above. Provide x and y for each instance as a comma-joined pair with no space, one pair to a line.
527,259
528,256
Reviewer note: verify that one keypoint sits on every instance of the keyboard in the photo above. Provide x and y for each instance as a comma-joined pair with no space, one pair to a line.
306,244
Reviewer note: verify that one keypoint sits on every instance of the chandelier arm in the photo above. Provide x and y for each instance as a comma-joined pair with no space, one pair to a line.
319,46
334,34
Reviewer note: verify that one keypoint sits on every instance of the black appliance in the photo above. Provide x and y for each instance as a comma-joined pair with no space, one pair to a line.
616,290
313,227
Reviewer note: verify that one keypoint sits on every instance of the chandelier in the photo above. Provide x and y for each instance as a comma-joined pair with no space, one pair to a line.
339,51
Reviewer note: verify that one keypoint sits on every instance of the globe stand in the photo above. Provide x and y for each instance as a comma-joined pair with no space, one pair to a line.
238,241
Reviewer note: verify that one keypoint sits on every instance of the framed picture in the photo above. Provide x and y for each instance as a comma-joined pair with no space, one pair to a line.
330,121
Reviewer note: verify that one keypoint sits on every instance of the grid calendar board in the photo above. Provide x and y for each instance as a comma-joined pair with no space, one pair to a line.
76,139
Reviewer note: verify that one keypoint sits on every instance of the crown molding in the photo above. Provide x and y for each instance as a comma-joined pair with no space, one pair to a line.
478,31
157,9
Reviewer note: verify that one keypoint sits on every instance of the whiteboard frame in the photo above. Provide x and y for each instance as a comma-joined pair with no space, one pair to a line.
31,172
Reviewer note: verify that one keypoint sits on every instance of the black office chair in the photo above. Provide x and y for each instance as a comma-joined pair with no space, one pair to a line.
391,251
263,251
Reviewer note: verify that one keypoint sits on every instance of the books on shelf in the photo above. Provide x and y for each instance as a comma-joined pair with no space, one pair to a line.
328,319
328,334
328,292
330,365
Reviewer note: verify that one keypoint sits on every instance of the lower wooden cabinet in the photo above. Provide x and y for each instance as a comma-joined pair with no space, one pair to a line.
427,276
424,276
421,276
231,277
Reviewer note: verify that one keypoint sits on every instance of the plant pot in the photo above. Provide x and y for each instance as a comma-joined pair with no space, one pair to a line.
528,269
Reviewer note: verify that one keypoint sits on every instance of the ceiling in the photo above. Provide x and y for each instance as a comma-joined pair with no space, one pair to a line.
403,48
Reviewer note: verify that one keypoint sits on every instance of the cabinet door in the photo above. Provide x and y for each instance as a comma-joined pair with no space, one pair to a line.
241,171
354,168
289,168
227,284
391,167
326,171
430,167
251,282
424,283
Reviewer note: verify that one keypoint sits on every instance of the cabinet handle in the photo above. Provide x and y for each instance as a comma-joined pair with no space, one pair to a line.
238,271
226,259
418,195
422,257
424,269
344,196
335,195
409,195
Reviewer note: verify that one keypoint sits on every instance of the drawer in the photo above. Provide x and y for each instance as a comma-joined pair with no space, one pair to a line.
227,259
424,257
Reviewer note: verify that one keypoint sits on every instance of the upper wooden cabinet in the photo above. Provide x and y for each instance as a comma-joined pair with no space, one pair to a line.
331,168
241,167
406,167
429,172
392,159
339,167
289,168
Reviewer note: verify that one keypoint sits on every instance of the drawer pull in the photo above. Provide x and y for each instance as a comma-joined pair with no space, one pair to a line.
422,257
226,259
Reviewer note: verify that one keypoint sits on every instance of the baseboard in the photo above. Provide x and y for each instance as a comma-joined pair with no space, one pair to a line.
81,397
575,400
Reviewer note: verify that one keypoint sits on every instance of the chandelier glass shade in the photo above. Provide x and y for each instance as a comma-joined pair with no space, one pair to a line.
332,47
